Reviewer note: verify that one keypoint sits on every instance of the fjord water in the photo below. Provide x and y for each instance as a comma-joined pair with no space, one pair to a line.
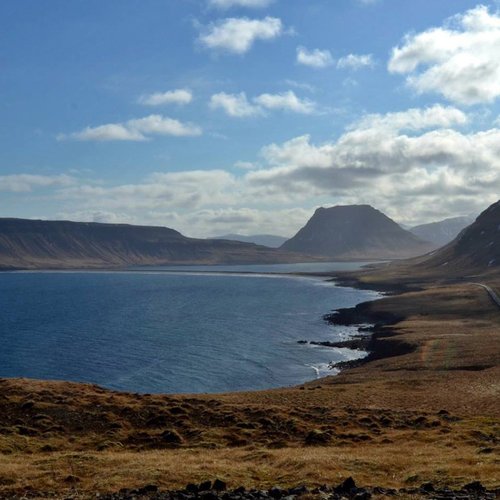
154,331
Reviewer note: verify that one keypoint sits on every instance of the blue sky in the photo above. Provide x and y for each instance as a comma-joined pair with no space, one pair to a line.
216,116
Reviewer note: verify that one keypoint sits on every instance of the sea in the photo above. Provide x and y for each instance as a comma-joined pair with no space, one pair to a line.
190,329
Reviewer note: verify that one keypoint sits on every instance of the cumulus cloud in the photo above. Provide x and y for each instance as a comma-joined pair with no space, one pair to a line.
459,60
235,105
139,129
286,101
414,119
178,96
416,165
238,105
252,4
355,61
237,35
427,174
19,183
315,58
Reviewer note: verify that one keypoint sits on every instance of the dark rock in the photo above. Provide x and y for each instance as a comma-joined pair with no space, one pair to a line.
148,489
240,491
362,495
219,485
192,488
297,491
209,495
276,493
475,487
427,487
205,486
347,487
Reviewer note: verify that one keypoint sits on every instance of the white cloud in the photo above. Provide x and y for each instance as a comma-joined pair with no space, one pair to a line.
315,58
414,119
286,101
415,165
459,60
252,4
237,35
355,61
19,183
236,105
414,178
139,129
178,96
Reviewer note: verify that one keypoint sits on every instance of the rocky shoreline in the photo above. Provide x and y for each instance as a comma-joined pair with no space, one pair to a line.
348,489
372,326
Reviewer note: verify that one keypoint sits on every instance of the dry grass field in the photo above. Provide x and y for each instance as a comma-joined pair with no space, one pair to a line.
426,408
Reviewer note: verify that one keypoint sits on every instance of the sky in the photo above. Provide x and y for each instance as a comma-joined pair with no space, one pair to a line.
244,116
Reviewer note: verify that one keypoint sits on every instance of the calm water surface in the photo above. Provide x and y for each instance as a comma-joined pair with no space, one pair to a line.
154,331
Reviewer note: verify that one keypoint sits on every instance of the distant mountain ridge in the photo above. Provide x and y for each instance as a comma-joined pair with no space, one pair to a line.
442,232
268,240
355,231
476,249
36,244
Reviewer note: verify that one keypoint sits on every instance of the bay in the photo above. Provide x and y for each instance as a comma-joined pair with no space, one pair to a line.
164,331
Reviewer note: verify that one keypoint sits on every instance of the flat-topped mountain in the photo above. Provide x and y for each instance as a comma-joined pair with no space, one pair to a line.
268,240
442,232
35,244
476,249
355,231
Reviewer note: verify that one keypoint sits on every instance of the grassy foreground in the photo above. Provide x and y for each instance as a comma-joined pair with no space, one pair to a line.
425,408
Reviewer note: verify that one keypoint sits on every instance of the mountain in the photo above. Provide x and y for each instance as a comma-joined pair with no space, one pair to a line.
442,232
267,240
355,231
475,250
36,244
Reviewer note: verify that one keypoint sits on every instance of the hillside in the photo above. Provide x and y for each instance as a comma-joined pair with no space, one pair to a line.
442,232
475,250
34,244
355,231
267,240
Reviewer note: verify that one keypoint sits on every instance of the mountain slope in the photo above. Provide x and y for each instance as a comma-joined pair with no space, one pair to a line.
63,244
268,240
442,232
355,231
475,249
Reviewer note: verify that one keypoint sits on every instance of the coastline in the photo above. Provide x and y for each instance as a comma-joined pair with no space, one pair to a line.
426,413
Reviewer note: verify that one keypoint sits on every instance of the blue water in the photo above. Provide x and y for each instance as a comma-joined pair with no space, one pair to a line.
164,332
